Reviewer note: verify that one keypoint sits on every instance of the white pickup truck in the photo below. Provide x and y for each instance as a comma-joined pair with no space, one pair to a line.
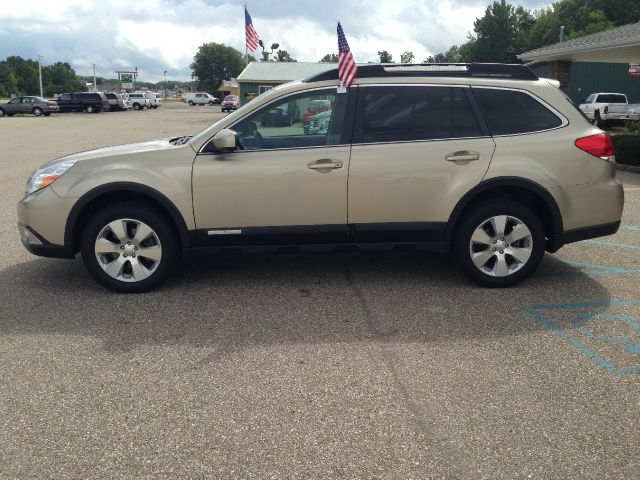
608,108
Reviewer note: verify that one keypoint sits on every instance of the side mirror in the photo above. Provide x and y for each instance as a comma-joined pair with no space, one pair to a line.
225,140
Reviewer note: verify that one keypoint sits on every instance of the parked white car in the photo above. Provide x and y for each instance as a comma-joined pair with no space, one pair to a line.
139,100
154,99
202,98
608,108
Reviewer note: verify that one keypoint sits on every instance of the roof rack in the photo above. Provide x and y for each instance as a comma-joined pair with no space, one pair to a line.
482,70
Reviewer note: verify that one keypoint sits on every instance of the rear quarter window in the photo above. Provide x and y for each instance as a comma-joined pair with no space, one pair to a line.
510,112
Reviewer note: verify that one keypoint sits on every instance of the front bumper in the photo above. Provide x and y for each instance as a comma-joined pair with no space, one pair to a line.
42,218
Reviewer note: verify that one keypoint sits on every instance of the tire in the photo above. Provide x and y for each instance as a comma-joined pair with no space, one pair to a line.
117,263
37,111
2,112
211,104
155,106
191,103
598,121
137,106
89,109
476,238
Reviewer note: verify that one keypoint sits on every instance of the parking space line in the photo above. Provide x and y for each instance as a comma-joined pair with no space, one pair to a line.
612,244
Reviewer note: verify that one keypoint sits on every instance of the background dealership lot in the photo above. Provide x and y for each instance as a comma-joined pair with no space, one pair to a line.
310,366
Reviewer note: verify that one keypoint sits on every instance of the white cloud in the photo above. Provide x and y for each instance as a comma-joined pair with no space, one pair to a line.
158,35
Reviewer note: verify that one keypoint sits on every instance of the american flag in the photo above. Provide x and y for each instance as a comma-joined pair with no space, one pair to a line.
252,35
347,69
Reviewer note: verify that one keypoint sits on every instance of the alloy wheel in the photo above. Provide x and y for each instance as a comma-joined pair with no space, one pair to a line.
128,250
501,245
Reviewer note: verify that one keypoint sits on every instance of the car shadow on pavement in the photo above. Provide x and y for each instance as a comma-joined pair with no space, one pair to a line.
235,302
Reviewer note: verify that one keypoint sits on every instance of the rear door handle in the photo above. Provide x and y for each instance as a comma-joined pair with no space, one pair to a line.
462,157
324,164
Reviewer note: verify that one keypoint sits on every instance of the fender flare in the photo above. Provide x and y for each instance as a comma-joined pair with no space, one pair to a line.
96,192
554,238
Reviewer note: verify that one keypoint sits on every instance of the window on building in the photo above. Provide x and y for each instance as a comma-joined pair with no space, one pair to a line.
264,88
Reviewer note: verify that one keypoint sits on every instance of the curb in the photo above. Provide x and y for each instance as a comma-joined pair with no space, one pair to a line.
628,168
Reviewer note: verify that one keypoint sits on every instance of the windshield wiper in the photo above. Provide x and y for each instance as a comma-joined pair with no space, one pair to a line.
180,140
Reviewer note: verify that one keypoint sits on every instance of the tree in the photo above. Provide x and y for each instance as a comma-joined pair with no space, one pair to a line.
407,57
214,62
283,56
437,58
385,57
329,58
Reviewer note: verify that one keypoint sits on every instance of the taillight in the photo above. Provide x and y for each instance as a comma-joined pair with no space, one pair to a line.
599,145
606,109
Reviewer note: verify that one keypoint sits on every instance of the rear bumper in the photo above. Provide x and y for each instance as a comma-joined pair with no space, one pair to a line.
578,234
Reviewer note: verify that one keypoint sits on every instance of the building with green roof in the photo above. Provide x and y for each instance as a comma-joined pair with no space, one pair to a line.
258,77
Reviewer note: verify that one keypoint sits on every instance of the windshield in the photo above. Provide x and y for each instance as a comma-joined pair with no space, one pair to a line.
230,97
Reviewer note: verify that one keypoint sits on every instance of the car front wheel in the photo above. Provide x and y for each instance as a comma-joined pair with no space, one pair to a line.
129,248
1,112
499,243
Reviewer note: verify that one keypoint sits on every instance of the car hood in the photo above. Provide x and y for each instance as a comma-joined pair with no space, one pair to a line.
128,148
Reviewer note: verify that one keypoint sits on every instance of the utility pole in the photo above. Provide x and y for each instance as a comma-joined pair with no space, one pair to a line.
40,73
95,84
165,84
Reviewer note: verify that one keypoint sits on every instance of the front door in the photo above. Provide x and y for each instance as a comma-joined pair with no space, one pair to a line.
13,106
287,181
417,150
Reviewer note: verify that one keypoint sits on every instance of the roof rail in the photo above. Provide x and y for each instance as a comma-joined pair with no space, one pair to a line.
482,70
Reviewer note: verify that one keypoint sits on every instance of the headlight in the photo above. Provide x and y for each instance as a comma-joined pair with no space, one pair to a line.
47,175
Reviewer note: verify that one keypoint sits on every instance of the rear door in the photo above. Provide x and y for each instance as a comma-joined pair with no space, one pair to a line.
417,150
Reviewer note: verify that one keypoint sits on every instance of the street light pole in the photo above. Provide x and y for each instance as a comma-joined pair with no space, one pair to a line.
265,54
165,84
95,84
40,73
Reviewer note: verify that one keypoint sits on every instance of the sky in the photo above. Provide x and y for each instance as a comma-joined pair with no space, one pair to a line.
159,35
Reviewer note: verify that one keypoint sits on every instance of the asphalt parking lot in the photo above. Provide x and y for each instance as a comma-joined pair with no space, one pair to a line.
311,366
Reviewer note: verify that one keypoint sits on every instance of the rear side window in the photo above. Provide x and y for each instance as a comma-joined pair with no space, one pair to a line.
510,112
396,114
611,98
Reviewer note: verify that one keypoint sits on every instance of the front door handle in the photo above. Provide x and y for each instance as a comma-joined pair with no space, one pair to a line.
324,165
462,157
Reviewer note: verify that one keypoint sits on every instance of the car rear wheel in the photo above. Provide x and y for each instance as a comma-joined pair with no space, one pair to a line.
191,102
89,109
499,243
1,112
129,248
137,106
37,111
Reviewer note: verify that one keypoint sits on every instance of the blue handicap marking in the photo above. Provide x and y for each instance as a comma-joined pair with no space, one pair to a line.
633,228
581,268
610,339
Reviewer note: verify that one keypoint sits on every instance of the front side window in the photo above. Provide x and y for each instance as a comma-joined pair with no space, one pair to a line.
65,97
407,113
288,124
590,98
510,112
14,100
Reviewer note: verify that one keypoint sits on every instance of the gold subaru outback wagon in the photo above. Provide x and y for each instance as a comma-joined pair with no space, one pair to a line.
487,161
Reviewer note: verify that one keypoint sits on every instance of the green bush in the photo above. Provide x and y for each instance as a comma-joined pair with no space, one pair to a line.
627,149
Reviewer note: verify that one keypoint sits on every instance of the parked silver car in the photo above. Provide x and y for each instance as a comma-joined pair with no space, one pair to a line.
35,105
